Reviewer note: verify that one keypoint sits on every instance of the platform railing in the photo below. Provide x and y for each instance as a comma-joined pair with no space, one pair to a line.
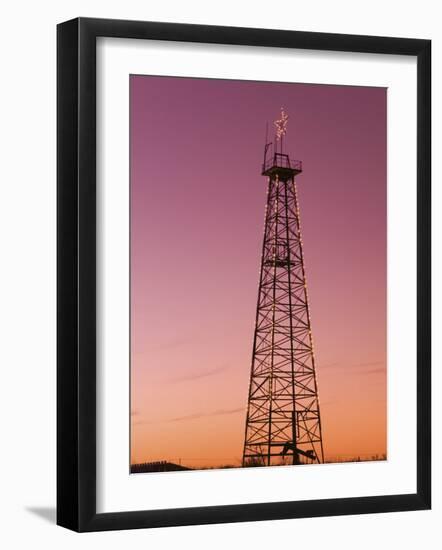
281,160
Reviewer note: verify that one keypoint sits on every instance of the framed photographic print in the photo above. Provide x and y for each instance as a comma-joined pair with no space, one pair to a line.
243,274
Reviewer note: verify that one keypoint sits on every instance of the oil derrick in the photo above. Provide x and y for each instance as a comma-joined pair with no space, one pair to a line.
283,419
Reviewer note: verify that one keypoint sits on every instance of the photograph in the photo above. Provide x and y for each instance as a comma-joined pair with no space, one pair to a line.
258,274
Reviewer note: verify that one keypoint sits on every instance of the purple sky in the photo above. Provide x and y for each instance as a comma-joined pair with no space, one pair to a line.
197,200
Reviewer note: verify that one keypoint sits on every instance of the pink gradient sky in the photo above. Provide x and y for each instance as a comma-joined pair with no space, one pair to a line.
197,208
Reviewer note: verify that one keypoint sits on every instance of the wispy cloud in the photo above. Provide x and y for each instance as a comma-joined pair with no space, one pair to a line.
218,412
374,371
164,346
369,364
361,368
329,365
197,375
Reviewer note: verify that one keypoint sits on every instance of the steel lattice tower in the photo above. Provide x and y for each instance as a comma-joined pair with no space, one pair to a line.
283,418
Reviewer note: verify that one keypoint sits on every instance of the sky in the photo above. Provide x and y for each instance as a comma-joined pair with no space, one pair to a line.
197,212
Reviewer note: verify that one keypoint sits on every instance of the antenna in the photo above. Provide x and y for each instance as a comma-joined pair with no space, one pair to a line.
267,144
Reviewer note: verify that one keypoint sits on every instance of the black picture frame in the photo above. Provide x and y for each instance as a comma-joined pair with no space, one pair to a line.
77,287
